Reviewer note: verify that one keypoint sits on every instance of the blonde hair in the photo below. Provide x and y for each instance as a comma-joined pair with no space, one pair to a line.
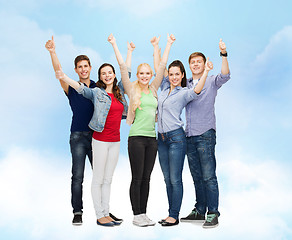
136,90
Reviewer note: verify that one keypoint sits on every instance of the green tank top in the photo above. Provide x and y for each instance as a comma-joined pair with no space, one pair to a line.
144,122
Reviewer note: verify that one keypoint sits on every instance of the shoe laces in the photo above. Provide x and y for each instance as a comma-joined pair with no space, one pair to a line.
210,217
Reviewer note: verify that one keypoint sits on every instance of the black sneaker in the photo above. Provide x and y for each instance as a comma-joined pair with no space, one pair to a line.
194,216
119,220
77,220
211,221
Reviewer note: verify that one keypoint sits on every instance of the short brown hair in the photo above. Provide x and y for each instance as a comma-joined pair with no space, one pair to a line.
197,54
81,58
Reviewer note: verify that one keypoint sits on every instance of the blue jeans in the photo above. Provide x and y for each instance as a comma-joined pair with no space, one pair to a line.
172,150
80,145
202,163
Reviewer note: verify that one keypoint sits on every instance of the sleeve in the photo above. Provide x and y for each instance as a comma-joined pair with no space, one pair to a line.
125,78
86,91
158,79
189,95
165,83
220,79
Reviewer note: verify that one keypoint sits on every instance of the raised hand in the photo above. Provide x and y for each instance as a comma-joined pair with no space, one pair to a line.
155,40
208,65
171,38
111,39
50,45
131,46
222,46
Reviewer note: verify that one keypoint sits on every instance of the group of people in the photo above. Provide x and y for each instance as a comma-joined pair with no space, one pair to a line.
98,109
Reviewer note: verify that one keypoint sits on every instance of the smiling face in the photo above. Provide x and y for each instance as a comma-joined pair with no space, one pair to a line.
175,76
144,74
83,70
107,75
197,65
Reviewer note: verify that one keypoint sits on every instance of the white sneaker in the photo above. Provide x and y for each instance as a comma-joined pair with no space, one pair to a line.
148,220
140,221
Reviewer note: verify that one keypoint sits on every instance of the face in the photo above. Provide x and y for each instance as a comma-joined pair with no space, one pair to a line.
83,70
175,76
107,75
144,75
197,65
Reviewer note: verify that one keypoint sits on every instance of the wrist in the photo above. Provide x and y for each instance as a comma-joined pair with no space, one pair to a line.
223,54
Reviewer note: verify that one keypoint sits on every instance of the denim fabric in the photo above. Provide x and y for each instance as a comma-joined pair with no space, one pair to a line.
202,163
171,151
102,102
80,145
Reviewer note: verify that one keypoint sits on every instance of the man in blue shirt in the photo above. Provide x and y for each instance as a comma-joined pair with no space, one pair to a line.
81,134
201,139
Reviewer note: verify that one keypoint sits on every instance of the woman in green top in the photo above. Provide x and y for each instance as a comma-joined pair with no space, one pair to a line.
142,143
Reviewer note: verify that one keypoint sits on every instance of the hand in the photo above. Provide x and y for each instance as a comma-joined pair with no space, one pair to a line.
154,41
59,73
111,39
208,65
131,46
222,46
170,38
50,45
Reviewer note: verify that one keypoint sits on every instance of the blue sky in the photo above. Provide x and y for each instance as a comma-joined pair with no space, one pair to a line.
254,120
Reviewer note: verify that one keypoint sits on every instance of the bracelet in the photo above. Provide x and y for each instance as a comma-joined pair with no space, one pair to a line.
223,54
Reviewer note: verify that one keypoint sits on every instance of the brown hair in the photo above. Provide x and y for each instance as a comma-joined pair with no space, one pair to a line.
101,84
81,58
178,63
197,54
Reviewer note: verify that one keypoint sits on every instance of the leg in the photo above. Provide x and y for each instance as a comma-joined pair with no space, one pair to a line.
196,172
149,160
79,149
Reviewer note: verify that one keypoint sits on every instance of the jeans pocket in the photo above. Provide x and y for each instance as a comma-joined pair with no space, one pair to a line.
179,137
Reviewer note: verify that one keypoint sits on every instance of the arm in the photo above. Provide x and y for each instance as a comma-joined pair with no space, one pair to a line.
63,77
201,83
131,47
51,47
225,66
156,54
159,75
123,68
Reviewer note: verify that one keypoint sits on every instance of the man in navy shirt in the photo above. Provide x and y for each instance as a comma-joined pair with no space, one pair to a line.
81,134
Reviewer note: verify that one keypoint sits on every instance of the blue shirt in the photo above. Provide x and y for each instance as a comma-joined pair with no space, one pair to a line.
82,109
170,106
200,114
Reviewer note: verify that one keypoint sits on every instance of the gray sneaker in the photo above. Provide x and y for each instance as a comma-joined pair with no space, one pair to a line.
194,216
211,221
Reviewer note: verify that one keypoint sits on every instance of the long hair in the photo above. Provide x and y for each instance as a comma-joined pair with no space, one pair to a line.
136,90
101,84
178,63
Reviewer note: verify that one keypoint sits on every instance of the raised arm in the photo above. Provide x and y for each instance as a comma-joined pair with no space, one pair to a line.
123,67
201,83
63,77
156,53
225,66
162,65
51,47
131,47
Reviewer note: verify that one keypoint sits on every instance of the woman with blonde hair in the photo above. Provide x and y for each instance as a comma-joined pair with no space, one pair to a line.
142,143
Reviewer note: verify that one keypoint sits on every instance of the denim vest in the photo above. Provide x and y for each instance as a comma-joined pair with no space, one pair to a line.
102,103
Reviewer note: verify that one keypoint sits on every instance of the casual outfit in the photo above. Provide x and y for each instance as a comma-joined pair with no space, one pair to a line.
142,143
105,123
80,145
172,141
201,141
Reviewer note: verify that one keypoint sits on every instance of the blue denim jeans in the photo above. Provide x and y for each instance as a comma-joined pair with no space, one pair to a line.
80,145
202,163
172,150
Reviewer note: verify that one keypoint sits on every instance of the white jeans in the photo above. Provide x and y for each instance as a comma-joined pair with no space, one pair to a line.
105,158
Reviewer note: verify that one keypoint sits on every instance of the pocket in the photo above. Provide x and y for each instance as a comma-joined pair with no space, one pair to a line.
179,137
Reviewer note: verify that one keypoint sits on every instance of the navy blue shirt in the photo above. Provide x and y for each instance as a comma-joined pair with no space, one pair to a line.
82,109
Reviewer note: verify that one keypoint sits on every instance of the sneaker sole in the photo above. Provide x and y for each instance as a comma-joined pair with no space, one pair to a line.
76,224
140,225
192,221
213,226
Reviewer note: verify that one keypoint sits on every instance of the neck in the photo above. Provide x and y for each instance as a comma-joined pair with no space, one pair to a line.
197,76
109,88
85,81
144,87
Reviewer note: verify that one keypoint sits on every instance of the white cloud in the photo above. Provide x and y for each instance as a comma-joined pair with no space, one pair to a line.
35,198
138,8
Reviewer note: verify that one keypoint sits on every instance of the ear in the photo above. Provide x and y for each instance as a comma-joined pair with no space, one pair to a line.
75,70
183,75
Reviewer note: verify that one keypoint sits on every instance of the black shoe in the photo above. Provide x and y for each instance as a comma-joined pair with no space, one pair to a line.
168,224
211,221
161,221
77,220
118,220
194,216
